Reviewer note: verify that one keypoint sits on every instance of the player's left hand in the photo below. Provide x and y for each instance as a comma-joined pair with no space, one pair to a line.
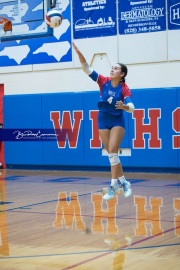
119,105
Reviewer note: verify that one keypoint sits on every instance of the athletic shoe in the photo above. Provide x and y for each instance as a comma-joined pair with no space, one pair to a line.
111,192
127,188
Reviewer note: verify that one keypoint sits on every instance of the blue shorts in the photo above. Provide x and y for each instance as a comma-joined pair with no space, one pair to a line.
108,121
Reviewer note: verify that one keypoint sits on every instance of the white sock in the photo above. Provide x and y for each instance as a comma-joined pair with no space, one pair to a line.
122,179
113,182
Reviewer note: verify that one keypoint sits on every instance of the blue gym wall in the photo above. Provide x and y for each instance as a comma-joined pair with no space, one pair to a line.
33,111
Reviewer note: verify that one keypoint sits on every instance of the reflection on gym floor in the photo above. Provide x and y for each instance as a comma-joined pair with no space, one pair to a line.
59,220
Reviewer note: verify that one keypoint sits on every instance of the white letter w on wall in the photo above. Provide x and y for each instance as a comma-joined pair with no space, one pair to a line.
66,130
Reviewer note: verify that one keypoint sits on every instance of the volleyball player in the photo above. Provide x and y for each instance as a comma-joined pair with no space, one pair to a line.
115,98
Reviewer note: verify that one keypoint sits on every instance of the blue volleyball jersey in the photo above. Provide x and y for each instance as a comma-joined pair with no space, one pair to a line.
110,95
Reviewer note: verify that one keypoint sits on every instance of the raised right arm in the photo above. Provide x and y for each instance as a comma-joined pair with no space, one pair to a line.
85,66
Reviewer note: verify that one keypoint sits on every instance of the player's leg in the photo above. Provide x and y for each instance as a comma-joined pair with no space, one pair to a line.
104,135
116,136
115,139
111,140
107,138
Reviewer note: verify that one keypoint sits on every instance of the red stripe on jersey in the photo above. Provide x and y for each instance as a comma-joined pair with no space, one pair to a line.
126,91
101,81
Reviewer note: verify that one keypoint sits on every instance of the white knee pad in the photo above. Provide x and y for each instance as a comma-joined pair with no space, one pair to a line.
114,159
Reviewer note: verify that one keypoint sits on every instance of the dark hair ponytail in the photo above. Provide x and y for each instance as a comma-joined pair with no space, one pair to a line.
123,69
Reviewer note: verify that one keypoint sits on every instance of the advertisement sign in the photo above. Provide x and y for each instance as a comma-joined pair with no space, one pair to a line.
94,18
144,16
173,14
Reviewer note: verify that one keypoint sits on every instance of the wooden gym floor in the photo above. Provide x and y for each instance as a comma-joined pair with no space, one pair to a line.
57,220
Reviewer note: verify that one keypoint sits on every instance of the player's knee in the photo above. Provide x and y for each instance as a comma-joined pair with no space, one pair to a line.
114,159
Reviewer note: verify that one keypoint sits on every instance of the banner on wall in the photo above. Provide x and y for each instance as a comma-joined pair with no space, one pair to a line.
144,16
63,133
94,18
17,50
173,14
